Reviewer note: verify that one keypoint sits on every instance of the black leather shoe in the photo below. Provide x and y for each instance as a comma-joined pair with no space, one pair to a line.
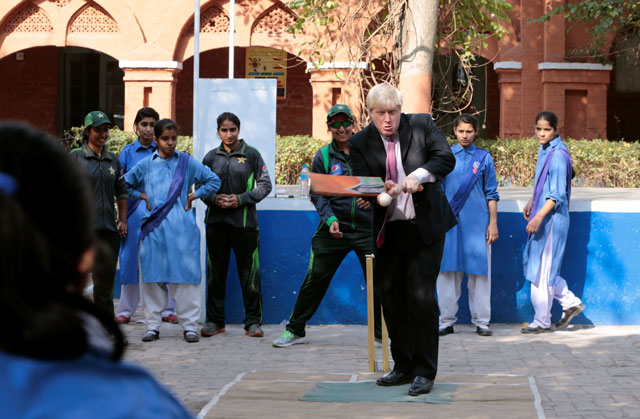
420,385
445,331
394,378
569,314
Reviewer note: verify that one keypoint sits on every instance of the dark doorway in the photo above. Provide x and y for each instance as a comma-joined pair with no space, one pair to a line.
456,92
623,98
89,80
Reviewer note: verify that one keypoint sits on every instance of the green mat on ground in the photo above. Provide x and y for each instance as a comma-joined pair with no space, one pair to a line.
281,395
368,391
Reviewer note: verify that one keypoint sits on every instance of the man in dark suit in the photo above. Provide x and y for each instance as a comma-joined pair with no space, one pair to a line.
413,156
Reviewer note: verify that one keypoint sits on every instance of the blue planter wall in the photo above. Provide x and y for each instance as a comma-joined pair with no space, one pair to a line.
601,266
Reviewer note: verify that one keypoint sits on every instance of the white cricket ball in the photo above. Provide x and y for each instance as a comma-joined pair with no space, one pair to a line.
384,199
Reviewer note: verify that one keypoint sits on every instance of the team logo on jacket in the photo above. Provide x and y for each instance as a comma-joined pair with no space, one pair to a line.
336,169
264,168
476,166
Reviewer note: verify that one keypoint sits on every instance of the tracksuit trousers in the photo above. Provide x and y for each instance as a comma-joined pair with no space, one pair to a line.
221,239
327,253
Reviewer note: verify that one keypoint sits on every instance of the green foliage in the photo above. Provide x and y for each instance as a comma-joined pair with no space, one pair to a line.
466,23
602,163
315,12
118,139
291,153
311,11
464,27
608,17
598,163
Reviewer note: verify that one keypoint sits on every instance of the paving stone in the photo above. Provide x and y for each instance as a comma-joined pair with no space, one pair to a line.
586,372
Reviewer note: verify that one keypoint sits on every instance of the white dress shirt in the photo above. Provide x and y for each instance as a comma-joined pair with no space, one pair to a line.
402,207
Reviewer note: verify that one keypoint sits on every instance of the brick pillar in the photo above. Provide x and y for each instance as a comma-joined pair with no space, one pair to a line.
533,49
577,93
149,84
554,33
510,82
328,90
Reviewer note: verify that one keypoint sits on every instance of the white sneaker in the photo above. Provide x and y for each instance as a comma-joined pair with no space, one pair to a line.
287,339
150,336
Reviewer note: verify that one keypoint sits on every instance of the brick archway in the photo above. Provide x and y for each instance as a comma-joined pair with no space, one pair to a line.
77,81
214,28
70,23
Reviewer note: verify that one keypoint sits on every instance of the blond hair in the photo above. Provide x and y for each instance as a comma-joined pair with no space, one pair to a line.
383,95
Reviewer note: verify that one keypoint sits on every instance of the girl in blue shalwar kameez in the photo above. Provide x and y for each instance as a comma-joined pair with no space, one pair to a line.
471,189
170,238
130,155
547,213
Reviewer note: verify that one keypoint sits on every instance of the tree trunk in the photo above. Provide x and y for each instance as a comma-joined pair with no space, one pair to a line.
418,36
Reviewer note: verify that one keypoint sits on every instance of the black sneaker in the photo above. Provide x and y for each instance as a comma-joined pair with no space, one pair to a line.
569,314
254,331
191,337
483,331
445,331
150,336
211,329
535,330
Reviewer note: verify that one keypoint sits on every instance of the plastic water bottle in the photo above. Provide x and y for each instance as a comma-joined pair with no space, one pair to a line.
304,182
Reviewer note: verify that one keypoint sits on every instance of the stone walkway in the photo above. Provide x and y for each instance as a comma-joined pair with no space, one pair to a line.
583,372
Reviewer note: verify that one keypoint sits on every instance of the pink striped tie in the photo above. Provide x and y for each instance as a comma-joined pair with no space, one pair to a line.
392,165
392,174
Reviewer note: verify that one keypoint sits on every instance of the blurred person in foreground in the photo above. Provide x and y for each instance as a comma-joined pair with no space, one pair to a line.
60,355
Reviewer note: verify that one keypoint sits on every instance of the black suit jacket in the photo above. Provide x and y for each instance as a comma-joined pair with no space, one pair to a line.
422,144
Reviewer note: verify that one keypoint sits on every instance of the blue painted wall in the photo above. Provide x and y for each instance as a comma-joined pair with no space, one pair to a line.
601,266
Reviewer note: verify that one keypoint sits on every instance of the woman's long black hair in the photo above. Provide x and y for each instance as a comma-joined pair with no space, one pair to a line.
45,228
467,119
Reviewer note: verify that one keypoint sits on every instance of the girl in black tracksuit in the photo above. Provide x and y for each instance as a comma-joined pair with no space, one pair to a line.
232,223
345,225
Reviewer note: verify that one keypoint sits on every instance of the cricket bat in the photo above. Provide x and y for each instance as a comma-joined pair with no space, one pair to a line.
322,184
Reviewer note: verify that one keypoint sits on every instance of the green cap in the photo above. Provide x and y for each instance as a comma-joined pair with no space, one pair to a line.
96,118
339,108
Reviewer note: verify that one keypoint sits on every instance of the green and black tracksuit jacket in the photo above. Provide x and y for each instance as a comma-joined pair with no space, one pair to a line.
242,172
331,160
107,184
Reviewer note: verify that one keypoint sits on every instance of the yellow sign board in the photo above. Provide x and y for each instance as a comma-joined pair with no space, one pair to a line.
267,63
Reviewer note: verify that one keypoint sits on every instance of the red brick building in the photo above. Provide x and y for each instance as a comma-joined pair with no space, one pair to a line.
62,58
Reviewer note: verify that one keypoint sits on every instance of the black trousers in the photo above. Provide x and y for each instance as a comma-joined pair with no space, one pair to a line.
407,270
104,272
327,253
221,238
